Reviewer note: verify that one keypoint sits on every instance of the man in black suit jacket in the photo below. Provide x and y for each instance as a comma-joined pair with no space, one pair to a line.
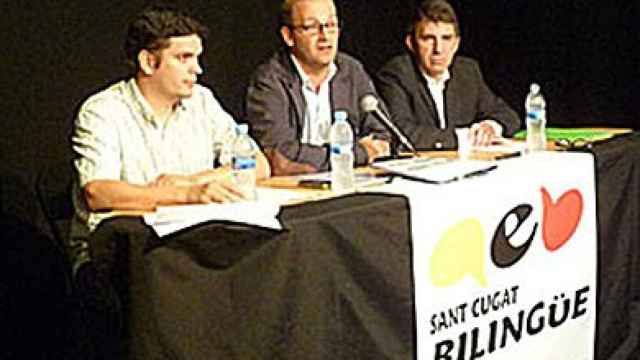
430,92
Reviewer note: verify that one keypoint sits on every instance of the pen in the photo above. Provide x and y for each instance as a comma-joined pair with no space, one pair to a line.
508,156
480,172
316,184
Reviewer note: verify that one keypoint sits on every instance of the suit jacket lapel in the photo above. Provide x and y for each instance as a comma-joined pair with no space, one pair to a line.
452,107
294,92
455,99
299,105
338,90
427,106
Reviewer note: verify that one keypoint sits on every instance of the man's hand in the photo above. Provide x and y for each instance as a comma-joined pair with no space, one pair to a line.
375,148
205,187
220,190
189,180
107,195
483,133
173,180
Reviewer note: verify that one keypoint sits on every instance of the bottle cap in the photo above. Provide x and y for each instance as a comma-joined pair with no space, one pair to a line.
242,129
340,115
535,88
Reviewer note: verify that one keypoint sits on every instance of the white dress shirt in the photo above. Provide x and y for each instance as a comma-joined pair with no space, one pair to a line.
317,117
436,88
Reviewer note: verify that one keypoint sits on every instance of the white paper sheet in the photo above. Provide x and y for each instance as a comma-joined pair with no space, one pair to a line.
263,212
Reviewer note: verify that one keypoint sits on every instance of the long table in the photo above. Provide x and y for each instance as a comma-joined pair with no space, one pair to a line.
336,284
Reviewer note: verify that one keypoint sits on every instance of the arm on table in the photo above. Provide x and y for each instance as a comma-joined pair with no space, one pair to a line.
263,171
106,195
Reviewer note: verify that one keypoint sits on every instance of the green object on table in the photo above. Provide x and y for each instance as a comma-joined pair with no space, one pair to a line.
570,134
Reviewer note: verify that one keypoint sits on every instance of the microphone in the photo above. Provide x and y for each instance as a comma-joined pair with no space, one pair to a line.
369,103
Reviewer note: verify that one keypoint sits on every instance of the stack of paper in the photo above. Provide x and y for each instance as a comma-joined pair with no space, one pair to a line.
436,170
169,219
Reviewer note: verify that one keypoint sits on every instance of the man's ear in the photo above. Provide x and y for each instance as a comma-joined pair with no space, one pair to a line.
287,36
148,62
408,41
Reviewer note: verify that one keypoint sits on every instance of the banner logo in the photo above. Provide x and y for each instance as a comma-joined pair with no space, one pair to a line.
458,253
461,249
560,219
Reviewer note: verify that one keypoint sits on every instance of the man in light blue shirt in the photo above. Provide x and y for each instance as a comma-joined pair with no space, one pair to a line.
152,139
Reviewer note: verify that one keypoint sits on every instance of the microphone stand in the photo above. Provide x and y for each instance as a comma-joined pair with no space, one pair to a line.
397,140
369,103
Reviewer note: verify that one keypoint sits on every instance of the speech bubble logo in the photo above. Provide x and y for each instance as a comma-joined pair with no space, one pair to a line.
560,218
459,252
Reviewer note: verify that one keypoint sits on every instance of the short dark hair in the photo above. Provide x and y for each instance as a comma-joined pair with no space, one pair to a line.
151,29
434,11
285,12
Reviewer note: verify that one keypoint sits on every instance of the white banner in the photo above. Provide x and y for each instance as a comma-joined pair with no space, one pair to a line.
505,263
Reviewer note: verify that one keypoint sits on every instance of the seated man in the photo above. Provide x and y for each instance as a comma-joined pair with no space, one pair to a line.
151,140
430,91
292,97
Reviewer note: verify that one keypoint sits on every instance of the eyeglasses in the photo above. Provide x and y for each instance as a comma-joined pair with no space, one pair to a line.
313,28
578,143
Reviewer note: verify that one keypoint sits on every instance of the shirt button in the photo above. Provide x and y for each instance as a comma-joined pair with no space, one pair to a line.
438,145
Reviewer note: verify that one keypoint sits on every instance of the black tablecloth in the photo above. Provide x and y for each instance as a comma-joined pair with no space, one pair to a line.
618,202
336,284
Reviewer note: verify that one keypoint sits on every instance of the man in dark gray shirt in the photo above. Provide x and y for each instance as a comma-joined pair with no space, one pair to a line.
292,97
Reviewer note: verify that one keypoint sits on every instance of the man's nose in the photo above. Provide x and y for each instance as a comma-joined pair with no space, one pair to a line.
196,68
322,32
326,29
437,46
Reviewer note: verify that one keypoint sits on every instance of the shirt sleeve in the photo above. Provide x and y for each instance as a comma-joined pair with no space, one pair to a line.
96,143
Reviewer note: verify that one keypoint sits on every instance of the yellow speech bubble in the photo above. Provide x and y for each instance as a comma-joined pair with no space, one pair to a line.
459,252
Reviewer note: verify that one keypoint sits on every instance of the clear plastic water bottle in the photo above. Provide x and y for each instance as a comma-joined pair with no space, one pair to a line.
536,119
341,155
244,162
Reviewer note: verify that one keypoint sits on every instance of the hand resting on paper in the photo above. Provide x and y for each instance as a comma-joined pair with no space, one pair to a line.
201,178
108,195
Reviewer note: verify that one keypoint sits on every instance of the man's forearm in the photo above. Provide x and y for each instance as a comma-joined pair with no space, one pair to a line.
105,195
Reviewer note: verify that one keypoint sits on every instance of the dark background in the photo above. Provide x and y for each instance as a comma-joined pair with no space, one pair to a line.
56,53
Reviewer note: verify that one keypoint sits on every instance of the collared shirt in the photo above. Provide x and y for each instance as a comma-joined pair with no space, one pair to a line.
317,117
117,137
436,88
